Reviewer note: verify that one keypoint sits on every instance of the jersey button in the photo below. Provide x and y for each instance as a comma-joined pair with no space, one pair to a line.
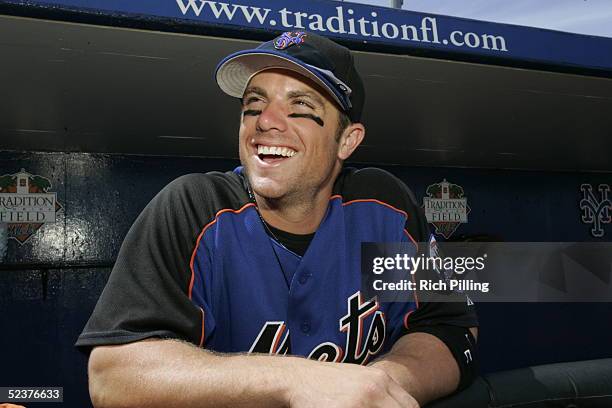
304,278
305,327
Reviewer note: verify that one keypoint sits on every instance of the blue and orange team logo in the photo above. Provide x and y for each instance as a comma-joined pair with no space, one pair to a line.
286,40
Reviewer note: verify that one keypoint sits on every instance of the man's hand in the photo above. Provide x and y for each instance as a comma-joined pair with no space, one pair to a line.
336,385
168,374
423,365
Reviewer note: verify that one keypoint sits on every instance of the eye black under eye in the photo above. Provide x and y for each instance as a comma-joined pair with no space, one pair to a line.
317,119
251,112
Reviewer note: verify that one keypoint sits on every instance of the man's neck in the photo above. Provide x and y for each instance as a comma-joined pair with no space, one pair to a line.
296,216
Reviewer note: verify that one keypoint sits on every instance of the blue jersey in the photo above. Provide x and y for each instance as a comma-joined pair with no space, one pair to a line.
199,265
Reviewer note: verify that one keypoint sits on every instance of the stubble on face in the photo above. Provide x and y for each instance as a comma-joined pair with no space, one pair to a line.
285,109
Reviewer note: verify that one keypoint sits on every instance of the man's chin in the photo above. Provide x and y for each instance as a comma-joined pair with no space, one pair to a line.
267,188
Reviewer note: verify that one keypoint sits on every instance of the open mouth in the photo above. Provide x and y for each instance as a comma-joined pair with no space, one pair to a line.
274,154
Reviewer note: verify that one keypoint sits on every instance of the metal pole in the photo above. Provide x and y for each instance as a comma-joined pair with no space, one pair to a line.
397,3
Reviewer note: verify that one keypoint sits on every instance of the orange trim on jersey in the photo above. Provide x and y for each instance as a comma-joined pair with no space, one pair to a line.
193,254
384,320
372,200
406,318
279,335
340,355
416,244
359,341
416,296
202,337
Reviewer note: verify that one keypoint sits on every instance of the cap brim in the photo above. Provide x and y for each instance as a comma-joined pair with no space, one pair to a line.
235,71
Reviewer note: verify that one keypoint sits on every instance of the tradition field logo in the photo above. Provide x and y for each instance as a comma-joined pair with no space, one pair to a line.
446,207
26,204
594,211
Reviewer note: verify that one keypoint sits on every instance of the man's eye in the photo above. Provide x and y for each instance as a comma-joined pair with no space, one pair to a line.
251,100
304,103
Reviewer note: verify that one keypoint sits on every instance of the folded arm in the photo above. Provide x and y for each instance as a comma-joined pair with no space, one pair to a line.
168,373
423,365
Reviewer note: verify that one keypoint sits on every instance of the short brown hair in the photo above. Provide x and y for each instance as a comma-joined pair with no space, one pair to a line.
343,122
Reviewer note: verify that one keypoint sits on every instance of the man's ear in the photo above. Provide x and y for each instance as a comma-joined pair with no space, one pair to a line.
350,139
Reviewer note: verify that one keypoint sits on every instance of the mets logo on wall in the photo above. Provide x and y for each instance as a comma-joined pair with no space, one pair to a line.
286,40
26,204
596,210
446,207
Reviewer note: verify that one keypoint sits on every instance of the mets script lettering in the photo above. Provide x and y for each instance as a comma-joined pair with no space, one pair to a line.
358,350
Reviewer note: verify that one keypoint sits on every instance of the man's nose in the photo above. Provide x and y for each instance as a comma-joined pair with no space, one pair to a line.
272,117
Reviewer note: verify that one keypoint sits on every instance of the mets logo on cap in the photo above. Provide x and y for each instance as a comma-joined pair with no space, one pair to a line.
287,39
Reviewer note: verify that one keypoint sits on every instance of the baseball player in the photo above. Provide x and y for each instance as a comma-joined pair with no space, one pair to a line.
243,289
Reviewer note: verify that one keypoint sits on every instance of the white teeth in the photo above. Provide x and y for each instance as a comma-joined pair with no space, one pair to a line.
276,150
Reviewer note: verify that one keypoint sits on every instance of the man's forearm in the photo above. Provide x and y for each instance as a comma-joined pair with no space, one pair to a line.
167,373
423,365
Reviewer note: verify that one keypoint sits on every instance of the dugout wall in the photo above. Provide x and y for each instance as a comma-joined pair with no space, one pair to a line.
106,106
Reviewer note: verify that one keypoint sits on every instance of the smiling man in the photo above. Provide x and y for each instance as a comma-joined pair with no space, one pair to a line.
227,281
